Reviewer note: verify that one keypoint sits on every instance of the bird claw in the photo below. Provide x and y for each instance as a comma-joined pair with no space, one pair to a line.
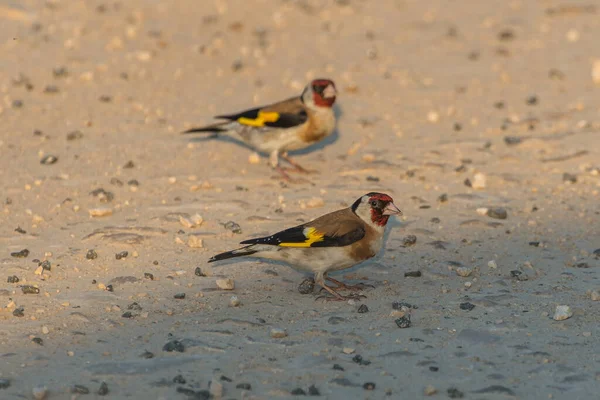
352,296
355,288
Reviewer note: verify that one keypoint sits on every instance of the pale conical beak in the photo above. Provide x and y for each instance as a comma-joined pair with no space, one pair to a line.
329,92
391,209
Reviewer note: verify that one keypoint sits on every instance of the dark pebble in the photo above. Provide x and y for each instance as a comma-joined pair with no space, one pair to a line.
512,140
17,104
121,255
147,355
134,306
359,360
434,369
442,198
19,312
20,254
409,240
103,195
243,386
313,391
80,389
338,367
532,100
372,179
572,178
116,182
454,393
596,253
105,98
515,273
335,320
91,254
38,340
468,183
20,230
497,213
534,244
13,279
363,309
179,296
397,305
306,286
369,386
403,322
435,220
499,105
233,227
225,378
129,164
506,35
48,160
174,345
74,135
46,265
415,339
298,392
582,265
148,275
467,306
51,89
60,72
198,272
127,314
28,289
194,394
457,127
412,274
110,288
179,379
103,389
133,182
4,383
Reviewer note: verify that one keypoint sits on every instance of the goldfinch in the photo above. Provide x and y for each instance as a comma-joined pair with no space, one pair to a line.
333,242
288,125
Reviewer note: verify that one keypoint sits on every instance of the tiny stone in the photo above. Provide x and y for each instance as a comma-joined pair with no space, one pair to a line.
243,386
372,178
74,135
571,178
38,341
562,312
434,368
454,393
148,275
234,301
534,244
532,100
45,330
198,272
147,355
121,255
363,309
369,386
40,392
46,265
100,212
442,198
463,271
497,213
595,295
20,254
403,322
298,392
174,345
412,274
19,312
512,140
492,264
430,390
4,383
348,350
179,296
225,284
225,378
179,379
233,227
128,165
110,288
306,286
103,390
28,289
467,306
409,240
49,160
80,389
479,181
254,158
127,314
359,360
91,254
195,242
13,279
278,333
338,367
313,391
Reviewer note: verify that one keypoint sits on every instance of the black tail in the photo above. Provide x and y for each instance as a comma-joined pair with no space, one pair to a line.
244,251
214,128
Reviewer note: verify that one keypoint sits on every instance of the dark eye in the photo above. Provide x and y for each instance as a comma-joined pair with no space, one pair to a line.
318,89
373,203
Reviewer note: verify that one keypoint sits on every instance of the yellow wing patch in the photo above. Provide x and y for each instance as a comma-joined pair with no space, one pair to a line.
262,118
312,236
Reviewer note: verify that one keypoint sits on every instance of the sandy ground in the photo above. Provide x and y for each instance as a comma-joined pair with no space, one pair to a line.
432,93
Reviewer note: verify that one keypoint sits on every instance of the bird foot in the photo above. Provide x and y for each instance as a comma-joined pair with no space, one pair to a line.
339,297
289,179
355,288
297,167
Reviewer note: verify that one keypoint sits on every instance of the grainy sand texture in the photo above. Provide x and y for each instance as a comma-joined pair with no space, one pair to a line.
480,118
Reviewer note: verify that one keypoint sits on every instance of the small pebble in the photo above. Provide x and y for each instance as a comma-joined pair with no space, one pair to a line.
100,212
80,389
195,242
443,198
40,392
363,309
570,178
19,312
596,72
13,279
313,391
463,271
358,359
254,158
403,322
103,389
4,383
243,386
454,393
148,275
467,306
74,135
38,341
412,274
497,213
179,296
348,350
20,254
48,160
278,333
91,254
595,295
234,301
338,367
298,392
179,379
28,289
198,272
562,312
479,181
174,345
409,240
306,286
233,227
147,355
369,386
225,284
430,390
512,140
492,264
121,255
